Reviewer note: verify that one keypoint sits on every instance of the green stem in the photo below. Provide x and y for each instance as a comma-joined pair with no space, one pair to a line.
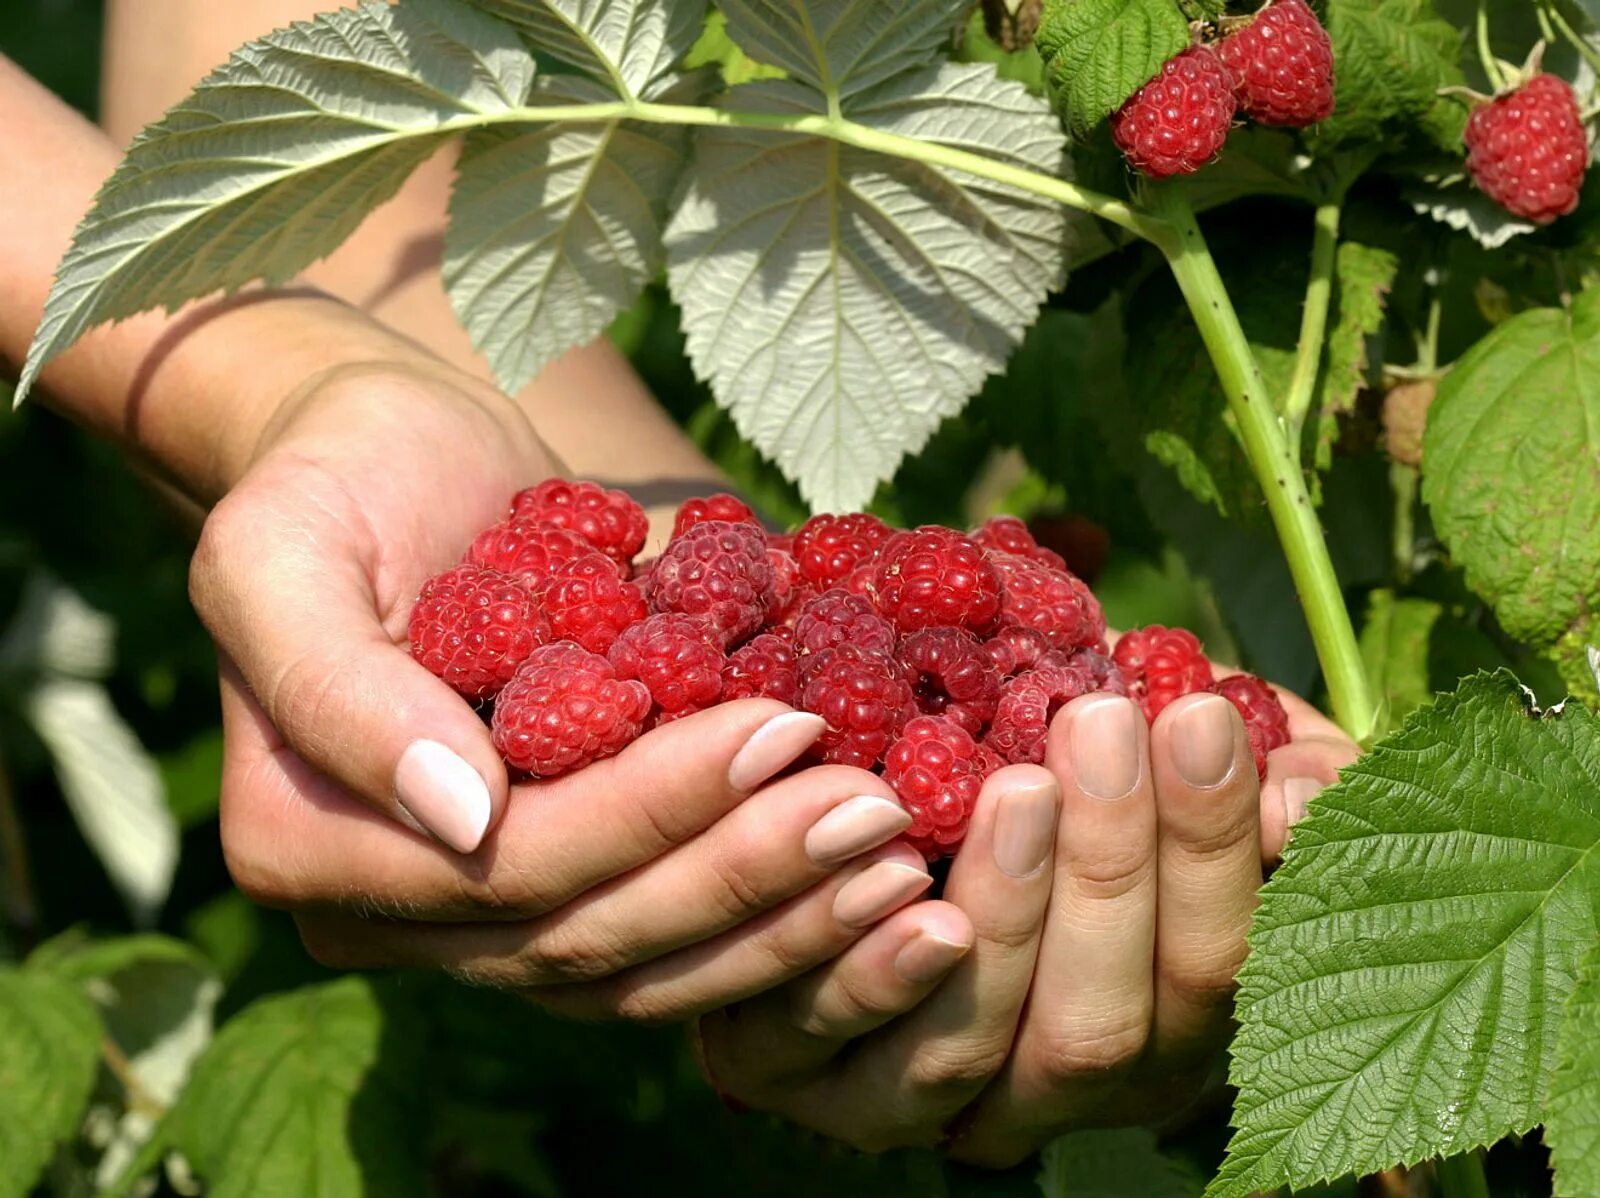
1590,55
1491,65
1314,318
1463,1176
1403,481
1276,465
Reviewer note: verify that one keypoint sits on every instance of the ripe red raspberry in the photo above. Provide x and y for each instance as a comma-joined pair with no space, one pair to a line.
1014,648
527,549
936,769
829,548
473,627
588,604
790,590
934,577
1282,61
609,520
719,571
1177,122
1008,534
712,507
781,540
763,667
1030,701
679,658
837,617
1265,720
951,676
866,699
565,709
1053,602
1162,664
1528,150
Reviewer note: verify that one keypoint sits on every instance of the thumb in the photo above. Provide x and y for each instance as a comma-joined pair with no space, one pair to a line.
305,635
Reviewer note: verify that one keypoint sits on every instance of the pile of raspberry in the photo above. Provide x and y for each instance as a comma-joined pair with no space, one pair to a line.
935,657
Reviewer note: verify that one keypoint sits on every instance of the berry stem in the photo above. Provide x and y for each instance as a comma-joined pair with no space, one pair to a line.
1463,1176
1549,12
1491,65
1276,465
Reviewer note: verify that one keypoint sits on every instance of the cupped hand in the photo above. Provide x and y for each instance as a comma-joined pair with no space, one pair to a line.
1099,983
365,796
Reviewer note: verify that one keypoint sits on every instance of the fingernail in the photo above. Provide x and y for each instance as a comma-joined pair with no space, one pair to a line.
853,827
872,894
927,958
444,794
1105,748
774,745
1025,829
1297,792
1202,741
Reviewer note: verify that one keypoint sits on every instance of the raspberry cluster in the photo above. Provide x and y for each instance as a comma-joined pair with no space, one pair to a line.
1275,67
935,657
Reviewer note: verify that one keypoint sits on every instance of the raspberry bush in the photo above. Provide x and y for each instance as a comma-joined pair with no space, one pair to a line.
1276,321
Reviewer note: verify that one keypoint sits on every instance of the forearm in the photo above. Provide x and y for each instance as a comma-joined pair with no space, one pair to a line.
174,390
589,406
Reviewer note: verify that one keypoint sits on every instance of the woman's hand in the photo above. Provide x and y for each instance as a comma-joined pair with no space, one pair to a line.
1100,983
362,794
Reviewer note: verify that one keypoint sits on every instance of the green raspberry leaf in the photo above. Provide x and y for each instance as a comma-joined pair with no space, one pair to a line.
1512,471
310,1092
1097,53
49,1055
843,303
1411,958
277,157
1364,275
1395,643
1572,1115
1391,58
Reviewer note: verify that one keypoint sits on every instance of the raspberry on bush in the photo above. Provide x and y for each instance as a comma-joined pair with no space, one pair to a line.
1528,150
679,658
1162,664
1178,121
1282,64
719,571
937,771
588,604
473,627
830,548
935,577
609,520
565,709
864,696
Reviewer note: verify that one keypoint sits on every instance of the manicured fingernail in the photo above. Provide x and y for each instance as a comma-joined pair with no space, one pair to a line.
444,794
1297,792
927,958
1104,738
774,745
872,894
853,827
1202,741
1025,829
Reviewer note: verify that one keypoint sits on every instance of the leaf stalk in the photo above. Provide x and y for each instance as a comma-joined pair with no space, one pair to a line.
1463,1176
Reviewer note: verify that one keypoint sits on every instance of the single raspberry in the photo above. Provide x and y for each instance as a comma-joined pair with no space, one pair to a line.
473,627
1053,602
1528,150
1008,534
763,667
837,617
1014,648
609,520
679,658
936,769
829,548
866,699
1177,122
565,709
951,675
790,590
712,507
860,582
1161,664
1265,720
587,602
719,571
935,577
1030,701
1282,61
527,549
